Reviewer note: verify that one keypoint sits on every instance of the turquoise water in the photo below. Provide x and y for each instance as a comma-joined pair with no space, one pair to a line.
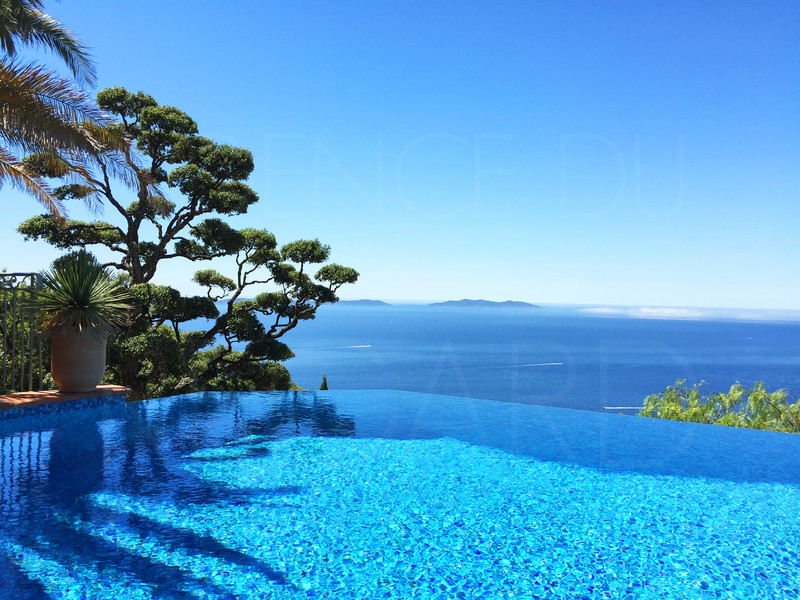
391,495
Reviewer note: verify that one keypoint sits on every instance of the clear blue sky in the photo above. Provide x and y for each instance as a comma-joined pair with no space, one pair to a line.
632,153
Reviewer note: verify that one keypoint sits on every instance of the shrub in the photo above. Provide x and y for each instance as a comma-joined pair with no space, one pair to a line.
754,408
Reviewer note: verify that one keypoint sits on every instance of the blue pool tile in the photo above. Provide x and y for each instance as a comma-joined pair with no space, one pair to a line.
390,495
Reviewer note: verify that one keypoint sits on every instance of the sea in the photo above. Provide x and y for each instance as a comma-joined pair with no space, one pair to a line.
596,359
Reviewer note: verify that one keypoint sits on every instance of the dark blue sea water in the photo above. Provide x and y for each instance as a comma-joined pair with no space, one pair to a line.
551,356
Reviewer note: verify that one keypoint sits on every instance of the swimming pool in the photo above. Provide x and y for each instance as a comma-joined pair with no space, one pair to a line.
385,494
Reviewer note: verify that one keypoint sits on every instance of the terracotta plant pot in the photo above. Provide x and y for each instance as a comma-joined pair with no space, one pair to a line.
77,360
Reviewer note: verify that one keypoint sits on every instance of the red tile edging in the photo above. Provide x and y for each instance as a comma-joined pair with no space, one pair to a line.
22,399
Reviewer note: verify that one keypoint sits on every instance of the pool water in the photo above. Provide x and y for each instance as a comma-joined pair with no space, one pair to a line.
380,494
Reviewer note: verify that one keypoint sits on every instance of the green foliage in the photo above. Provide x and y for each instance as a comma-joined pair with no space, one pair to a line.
210,278
233,371
78,234
217,237
337,274
238,346
306,251
78,293
753,408
324,385
150,362
127,106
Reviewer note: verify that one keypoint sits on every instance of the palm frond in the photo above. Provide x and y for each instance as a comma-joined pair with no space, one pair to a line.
8,21
39,113
122,162
118,157
14,172
32,132
30,85
107,139
25,20
71,168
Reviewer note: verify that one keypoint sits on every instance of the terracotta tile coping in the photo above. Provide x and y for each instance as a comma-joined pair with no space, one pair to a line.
21,399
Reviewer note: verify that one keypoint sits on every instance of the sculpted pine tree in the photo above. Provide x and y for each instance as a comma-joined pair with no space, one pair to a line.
157,356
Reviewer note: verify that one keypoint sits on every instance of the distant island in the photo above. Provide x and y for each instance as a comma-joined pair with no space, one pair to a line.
485,304
365,302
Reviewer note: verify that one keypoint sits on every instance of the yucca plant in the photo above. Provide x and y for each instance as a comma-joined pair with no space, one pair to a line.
78,294
78,306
